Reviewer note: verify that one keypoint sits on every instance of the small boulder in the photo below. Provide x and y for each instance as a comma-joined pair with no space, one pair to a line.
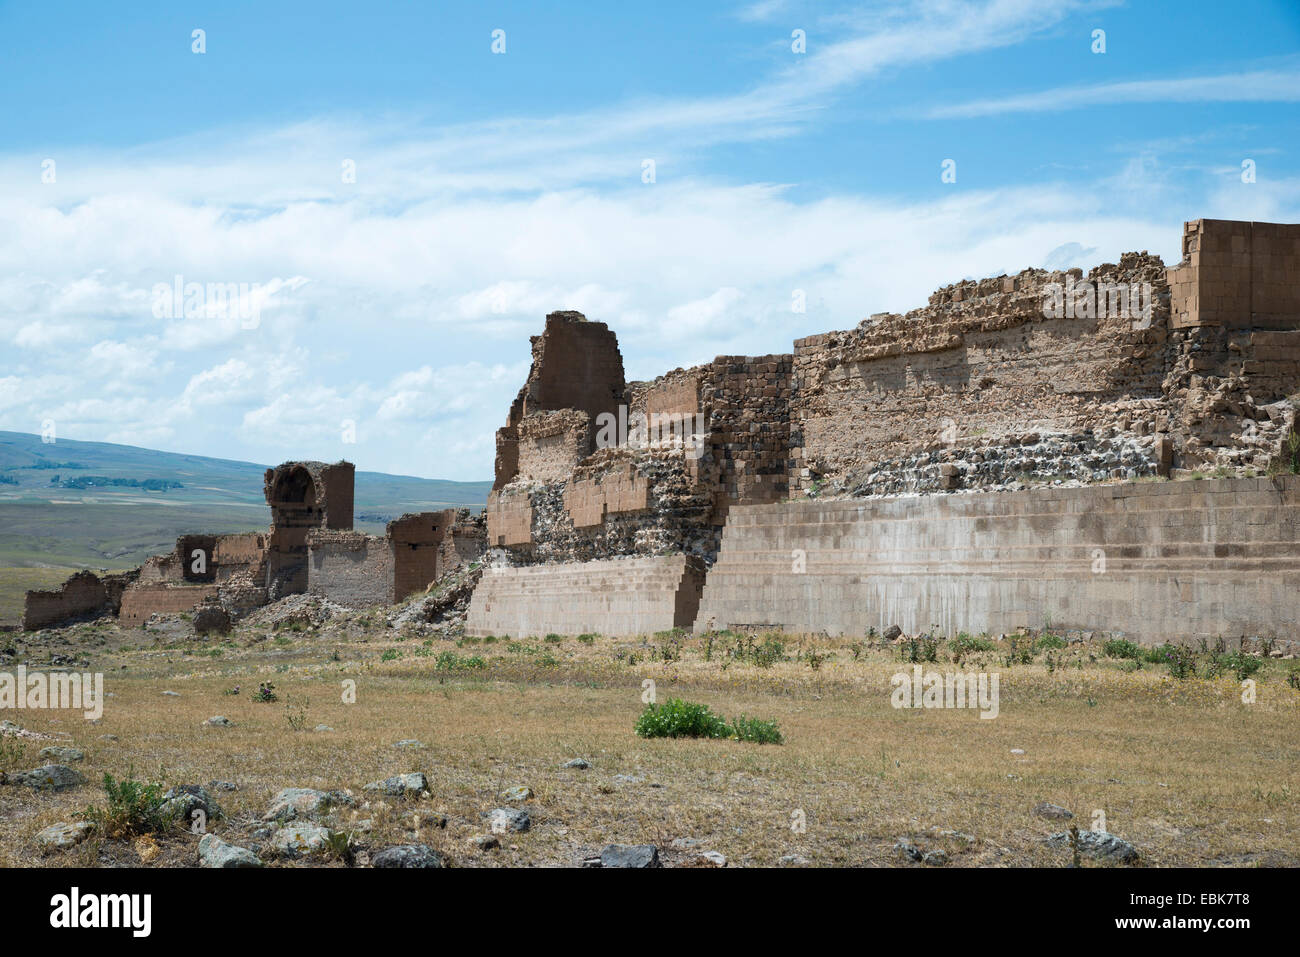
61,836
1053,812
713,859
304,803
409,743
51,777
214,852
1101,845
60,755
630,855
908,850
577,763
185,800
401,785
301,840
485,842
892,632
219,721
408,855
516,794
504,819
935,858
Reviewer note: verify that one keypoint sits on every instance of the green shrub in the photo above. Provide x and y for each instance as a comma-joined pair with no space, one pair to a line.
390,654
1119,648
1049,642
684,719
1240,663
133,808
756,731
266,693
450,661
964,644
1180,661
769,652
919,648
586,638
553,639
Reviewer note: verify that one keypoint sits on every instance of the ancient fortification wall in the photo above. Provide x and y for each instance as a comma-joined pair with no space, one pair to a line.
308,548
1171,561
1129,372
642,595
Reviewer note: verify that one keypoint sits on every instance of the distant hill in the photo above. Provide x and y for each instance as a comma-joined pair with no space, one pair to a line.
123,505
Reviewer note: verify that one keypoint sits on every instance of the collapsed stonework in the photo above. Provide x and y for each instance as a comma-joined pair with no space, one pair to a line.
1131,372
310,547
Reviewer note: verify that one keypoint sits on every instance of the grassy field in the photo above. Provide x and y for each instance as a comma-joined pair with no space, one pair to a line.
1183,769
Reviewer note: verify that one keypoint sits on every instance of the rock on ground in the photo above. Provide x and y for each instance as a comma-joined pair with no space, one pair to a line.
630,855
214,852
505,819
184,800
401,785
56,754
407,855
301,840
1100,845
295,803
51,777
1053,812
63,835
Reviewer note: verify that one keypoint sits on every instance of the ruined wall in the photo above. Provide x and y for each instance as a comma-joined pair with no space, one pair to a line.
143,599
576,366
624,596
83,594
1156,561
351,568
303,496
416,541
989,382
551,444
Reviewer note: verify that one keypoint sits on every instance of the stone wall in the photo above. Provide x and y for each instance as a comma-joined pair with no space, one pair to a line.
625,596
141,600
1156,561
351,568
81,595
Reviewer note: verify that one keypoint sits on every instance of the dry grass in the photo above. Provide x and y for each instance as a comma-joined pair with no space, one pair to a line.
1184,770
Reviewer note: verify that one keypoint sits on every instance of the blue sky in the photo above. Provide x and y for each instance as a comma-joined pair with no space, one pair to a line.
491,188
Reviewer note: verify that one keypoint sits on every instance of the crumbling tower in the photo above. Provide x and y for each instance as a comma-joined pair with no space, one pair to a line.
303,496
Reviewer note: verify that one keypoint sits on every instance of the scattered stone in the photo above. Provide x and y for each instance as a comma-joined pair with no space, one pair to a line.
409,743
578,763
1017,750
8,727
301,840
299,803
1101,845
108,737
323,727
908,850
516,794
186,799
630,855
223,785
401,785
59,755
214,852
219,721
715,858
1053,812
892,632
170,694
794,860
407,855
628,779
485,842
505,819
61,836
51,777
936,857
684,843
